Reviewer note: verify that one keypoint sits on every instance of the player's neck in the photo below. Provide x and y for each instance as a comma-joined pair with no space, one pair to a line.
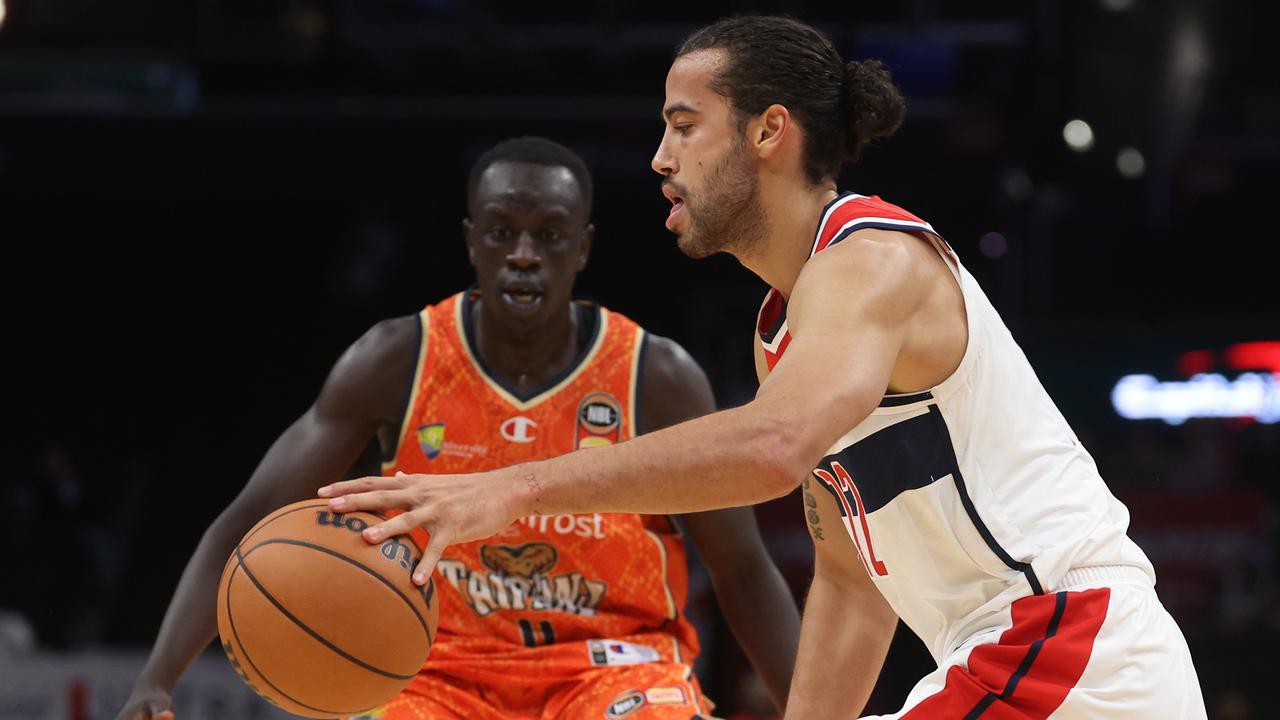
526,359
793,210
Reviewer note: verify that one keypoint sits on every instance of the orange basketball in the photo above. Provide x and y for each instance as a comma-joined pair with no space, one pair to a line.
320,622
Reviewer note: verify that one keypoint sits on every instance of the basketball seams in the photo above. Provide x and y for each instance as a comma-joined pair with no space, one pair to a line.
426,628
303,626
322,504
231,620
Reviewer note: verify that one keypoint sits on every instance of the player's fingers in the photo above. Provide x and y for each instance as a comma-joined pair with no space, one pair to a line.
436,545
398,525
165,715
374,500
364,484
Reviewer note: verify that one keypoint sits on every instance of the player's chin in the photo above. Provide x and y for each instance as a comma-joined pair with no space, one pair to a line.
691,245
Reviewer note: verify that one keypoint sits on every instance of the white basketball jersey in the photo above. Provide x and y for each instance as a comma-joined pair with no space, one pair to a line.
968,496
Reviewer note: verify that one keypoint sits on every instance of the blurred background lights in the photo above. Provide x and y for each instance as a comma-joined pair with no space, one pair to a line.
1117,5
2,13
1130,163
993,245
1079,135
1017,185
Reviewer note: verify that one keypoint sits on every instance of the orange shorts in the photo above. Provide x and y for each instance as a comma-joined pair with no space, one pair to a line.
600,680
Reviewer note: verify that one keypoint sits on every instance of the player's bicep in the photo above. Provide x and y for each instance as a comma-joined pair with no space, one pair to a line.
362,392
848,317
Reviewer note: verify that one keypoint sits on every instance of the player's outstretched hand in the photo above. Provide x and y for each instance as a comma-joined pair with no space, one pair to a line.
450,508
147,704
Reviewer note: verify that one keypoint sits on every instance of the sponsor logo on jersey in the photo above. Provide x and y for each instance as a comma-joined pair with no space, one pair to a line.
431,439
599,420
519,429
610,653
667,695
624,705
583,526
519,578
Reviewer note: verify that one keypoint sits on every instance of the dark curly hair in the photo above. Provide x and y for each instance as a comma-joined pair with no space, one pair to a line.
776,59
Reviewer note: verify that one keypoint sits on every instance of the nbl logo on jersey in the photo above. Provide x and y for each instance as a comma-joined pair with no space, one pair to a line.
599,421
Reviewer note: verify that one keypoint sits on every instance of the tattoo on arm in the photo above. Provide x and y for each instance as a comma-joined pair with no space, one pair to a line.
811,510
533,486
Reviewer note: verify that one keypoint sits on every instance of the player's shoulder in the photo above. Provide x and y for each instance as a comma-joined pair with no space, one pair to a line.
390,336
386,350
852,206
664,356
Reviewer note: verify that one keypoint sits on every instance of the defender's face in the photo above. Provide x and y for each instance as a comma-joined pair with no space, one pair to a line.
528,238
707,174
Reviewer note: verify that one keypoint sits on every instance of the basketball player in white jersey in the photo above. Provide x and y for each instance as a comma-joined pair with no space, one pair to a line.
941,484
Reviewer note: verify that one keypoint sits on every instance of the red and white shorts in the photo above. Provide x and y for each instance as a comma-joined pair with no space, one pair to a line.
1102,647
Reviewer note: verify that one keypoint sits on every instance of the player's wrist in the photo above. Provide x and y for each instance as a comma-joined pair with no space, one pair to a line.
523,492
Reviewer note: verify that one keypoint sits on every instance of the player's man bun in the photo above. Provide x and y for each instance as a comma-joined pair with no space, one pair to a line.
872,103
776,59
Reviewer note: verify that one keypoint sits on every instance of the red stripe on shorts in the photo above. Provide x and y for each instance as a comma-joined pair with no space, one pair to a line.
1028,673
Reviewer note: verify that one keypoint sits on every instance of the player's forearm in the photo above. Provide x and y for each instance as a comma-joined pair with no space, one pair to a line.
190,623
745,597
734,457
841,653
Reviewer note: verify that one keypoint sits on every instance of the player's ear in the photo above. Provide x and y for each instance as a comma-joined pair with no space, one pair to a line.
588,234
767,132
468,235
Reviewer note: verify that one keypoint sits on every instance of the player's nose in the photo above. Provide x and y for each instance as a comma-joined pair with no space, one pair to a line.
524,254
663,162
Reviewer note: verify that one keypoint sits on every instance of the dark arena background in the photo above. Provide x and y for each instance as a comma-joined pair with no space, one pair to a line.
203,202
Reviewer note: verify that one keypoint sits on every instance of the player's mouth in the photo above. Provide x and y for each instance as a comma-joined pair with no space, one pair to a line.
522,298
677,205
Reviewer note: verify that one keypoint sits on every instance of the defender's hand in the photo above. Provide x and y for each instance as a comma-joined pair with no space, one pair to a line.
147,704
450,508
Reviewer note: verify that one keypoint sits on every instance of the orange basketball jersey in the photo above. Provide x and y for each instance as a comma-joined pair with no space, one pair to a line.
546,579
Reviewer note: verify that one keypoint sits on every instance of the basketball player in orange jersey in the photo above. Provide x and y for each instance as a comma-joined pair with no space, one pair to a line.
941,484
553,615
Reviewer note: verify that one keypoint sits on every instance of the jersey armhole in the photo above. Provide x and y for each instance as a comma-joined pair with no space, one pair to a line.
639,353
411,390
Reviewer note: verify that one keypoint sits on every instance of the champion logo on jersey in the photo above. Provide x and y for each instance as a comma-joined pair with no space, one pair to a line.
519,429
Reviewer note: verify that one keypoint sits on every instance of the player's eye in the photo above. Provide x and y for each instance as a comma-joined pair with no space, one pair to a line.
501,233
683,129
549,236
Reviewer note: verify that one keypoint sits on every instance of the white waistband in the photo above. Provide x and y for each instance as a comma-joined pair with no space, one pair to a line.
1102,575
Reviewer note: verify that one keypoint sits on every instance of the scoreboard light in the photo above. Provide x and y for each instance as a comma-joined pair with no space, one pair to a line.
1253,394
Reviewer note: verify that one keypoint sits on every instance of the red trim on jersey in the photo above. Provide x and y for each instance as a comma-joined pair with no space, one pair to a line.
839,213
772,358
1028,673
770,313
857,207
